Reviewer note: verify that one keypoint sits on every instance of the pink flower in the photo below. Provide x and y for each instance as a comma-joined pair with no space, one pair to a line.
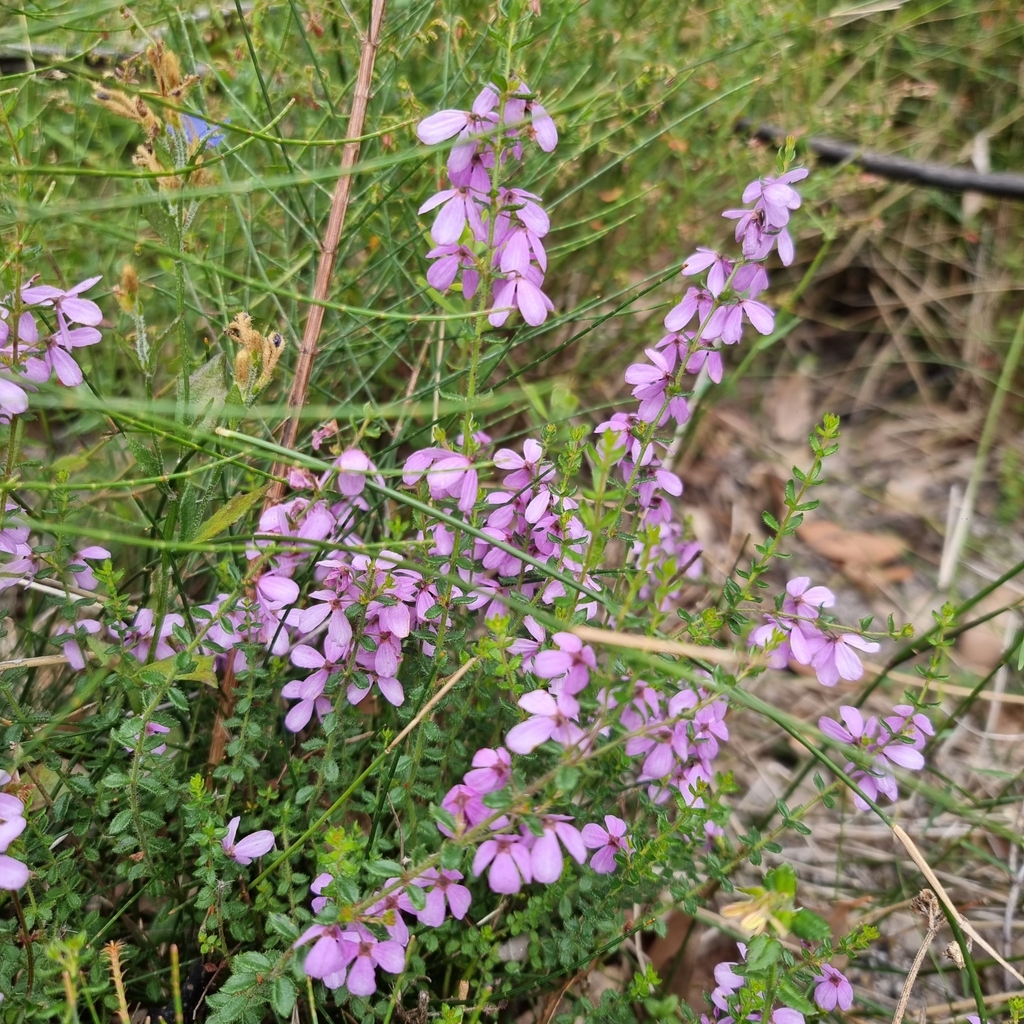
832,989
309,691
443,885
248,849
459,206
353,467
786,1015
510,861
69,306
707,259
696,300
491,770
152,729
569,666
526,469
465,124
448,260
330,956
13,874
728,983
804,600
607,841
71,647
835,659
775,197
448,474
546,853
389,909
520,289
550,718
81,569
464,804
772,632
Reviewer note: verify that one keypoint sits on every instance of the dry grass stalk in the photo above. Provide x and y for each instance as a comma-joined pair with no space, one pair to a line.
432,703
927,905
969,929
654,645
329,250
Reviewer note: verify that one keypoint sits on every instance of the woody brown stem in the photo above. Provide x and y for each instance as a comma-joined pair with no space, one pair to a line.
329,248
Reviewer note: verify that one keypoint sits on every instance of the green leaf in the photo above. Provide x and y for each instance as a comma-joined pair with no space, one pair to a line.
808,925
121,821
230,513
150,463
783,878
283,926
383,868
793,997
762,952
770,521
282,996
417,897
442,817
451,856
498,800
162,222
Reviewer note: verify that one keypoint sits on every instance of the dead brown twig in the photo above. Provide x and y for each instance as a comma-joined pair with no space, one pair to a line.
329,248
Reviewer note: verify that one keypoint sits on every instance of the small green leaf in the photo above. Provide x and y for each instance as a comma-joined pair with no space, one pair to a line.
282,996
794,998
451,856
808,925
783,878
417,897
383,868
230,513
762,952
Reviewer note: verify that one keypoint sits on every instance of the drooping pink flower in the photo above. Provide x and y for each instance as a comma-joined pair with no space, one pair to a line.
520,289
719,268
248,849
80,568
448,260
607,842
728,983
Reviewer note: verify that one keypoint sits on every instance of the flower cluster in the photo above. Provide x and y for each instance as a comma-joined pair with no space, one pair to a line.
28,357
895,741
350,954
793,632
734,998
677,750
13,873
482,228
831,990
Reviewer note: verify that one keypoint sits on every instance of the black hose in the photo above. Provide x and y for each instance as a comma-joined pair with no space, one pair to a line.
898,168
